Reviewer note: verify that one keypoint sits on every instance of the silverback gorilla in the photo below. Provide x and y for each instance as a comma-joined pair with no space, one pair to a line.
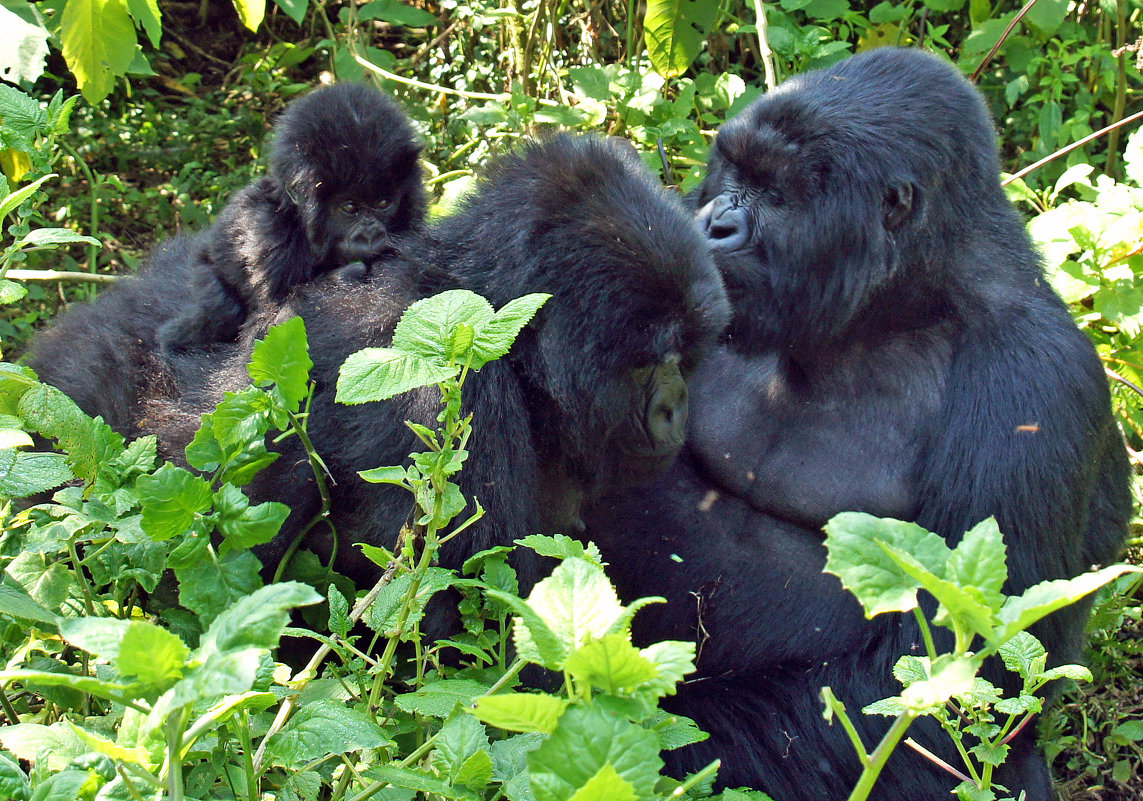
895,349
592,393
343,181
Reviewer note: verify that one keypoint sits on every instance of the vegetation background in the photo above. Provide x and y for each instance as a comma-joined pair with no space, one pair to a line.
177,98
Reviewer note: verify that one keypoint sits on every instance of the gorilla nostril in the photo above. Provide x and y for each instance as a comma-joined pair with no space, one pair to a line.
724,223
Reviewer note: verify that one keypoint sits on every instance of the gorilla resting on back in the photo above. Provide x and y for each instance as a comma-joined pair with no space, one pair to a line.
592,394
894,349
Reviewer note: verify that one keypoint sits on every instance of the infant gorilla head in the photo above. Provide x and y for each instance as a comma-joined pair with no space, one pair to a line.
344,181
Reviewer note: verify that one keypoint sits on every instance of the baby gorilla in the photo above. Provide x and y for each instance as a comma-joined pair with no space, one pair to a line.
344,180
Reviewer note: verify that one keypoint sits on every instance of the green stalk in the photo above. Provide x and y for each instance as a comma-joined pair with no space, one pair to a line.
880,756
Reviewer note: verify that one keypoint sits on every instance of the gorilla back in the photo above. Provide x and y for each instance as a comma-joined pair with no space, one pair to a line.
894,349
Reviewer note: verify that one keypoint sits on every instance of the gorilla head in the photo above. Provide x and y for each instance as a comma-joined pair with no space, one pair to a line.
817,196
347,156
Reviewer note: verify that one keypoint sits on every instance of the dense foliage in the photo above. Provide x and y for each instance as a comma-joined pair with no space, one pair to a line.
136,650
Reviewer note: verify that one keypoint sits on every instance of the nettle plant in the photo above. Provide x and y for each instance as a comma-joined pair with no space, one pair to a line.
884,563
138,638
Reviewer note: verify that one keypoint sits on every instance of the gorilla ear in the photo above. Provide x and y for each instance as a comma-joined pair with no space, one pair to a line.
901,201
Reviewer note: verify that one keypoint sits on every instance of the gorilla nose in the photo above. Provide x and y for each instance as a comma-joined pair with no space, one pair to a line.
725,224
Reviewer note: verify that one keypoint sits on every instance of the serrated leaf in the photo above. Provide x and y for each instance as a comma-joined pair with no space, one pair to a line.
1073,672
98,43
520,711
461,738
495,337
980,559
171,499
243,525
612,664
415,780
606,785
10,291
438,699
208,586
561,546
11,202
675,31
384,613
14,784
379,373
51,237
587,739
867,570
1020,705
965,605
23,474
948,676
427,328
282,358
1023,654
673,660
87,442
257,620
14,601
1042,599
154,656
101,636
323,728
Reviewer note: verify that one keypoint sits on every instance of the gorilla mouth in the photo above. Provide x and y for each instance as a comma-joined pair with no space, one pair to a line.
352,251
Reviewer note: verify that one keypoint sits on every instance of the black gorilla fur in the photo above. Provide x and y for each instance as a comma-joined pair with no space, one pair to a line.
894,349
344,180
570,410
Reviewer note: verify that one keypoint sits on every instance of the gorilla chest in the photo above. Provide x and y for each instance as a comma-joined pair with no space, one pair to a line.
804,446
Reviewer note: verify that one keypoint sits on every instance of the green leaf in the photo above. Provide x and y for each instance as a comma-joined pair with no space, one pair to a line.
322,728
496,336
396,13
534,639
101,636
1073,672
606,785
11,202
251,12
379,373
415,780
243,525
208,586
1023,655
10,291
295,9
867,570
53,237
257,620
586,740
98,43
172,498
23,474
87,442
672,660
948,676
385,475
520,711
438,699
21,114
147,14
967,606
675,30
154,656
612,664
1042,599
980,560
457,751
14,784
16,602
385,611
282,358
428,327
84,684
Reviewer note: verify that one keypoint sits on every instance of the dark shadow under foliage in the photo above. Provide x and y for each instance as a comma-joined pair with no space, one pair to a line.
894,349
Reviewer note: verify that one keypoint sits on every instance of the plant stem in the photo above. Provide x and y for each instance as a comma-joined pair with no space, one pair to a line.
880,756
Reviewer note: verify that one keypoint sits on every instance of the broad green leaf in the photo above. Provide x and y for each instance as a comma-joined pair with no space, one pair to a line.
606,785
295,9
948,676
438,699
257,620
98,43
587,739
676,731
965,605
383,615
672,660
475,772
251,12
534,639
13,782
147,14
415,780
87,442
520,711
1023,655
243,525
51,237
496,336
980,560
1046,16
577,602
867,570
53,745
101,636
208,586
385,475
1042,599
10,291
460,740
23,474
612,664
510,764
154,656
16,602
172,498
379,373
890,707
102,745
427,328
1073,672
219,675
323,728
282,358
85,684
675,30
396,13
241,417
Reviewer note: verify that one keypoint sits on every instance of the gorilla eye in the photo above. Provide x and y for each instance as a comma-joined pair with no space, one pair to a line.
349,207
384,204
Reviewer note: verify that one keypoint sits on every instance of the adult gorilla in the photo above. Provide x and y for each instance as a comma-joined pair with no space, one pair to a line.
592,393
894,349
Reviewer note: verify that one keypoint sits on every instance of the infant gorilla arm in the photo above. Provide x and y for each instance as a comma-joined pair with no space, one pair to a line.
344,182
895,348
